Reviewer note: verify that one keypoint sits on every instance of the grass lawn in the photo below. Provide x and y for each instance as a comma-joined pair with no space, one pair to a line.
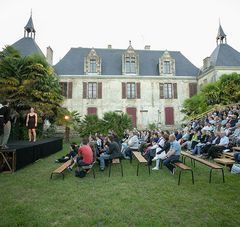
29,198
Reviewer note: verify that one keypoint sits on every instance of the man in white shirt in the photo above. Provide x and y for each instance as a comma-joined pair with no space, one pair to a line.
217,149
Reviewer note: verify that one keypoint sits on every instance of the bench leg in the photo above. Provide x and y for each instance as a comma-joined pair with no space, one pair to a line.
121,167
194,163
179,177
192,177
137,168
223,175
149,170
110,166
51,175
210,176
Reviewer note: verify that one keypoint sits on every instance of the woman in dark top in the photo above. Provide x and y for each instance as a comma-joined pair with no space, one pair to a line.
31,124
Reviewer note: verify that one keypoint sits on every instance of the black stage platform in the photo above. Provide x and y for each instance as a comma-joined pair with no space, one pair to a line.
22,153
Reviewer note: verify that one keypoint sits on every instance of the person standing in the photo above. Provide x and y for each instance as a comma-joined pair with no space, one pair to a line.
6,124
31,124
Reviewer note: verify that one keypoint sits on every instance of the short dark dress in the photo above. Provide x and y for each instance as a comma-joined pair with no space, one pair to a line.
31,121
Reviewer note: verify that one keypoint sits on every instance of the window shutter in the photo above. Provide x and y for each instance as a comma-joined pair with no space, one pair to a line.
192,89
175,94
138,90
123,90
99,90
62,87
161,91
70,90
92,111
84,90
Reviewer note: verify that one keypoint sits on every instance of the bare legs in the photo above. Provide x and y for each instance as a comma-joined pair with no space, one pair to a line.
32,135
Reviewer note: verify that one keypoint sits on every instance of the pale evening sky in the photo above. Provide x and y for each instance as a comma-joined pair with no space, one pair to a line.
189,26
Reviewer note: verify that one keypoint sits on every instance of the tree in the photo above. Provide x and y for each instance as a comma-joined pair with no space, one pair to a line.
225,91
29,82
195,105
116,122
230,87
91,124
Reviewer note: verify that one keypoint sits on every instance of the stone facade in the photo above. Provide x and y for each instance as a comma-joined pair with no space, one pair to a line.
150,108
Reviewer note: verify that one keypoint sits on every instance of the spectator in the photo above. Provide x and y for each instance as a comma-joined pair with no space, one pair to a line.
113,151
173,154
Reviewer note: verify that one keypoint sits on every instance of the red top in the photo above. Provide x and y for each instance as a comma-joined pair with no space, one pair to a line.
86,153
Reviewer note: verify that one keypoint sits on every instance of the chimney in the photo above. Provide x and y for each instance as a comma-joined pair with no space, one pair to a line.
49,55
147,47
109,46
206,63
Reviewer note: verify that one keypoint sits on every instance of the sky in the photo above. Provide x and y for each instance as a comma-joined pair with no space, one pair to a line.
189,26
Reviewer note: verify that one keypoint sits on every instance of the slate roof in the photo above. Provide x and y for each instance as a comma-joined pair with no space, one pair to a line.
27,46
73,62
221,33
30,27
225,55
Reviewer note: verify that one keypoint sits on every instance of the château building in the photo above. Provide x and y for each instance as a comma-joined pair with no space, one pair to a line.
149,85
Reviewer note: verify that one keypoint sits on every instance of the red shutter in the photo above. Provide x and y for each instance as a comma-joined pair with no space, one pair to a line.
84,90
123,90
138,90
161,91
169,116
175,94
92,111
70,90
192,89
99,90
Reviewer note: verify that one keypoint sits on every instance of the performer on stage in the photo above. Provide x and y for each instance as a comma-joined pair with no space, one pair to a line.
31,124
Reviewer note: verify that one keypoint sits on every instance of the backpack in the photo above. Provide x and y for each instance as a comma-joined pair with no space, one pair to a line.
81,173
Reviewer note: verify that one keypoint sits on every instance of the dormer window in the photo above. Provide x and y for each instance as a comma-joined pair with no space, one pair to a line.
166,65
130,61
92,64
130,65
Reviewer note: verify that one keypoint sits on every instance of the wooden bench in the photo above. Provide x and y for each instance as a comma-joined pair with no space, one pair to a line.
61,168
140,160
229,155
88,168
224,161
237,149
205,162
183,167
115,161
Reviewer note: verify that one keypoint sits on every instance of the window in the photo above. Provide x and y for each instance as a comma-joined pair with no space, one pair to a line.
130,64
166,64
92,90
130,61
168,91
93,66
131,90
66,89
166,67
92,63
192,89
